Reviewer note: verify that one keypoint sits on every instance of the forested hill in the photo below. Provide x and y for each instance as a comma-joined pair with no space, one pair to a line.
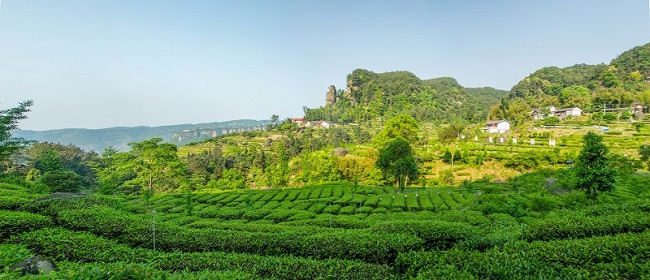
119,137
370,95
590,87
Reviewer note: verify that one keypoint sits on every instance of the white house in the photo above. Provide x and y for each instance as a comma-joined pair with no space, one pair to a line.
563,113
499,126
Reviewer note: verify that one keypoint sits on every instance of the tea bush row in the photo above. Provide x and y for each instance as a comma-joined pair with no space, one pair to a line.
13,222
624,256
580,226
287,267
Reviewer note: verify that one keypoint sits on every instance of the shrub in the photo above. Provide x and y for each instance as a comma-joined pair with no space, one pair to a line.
622,256
287,267
62,244
62,181
579,226
100,220
12,202
12,223
436,234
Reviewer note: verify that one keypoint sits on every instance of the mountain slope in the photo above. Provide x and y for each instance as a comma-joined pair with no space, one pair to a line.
119,137
590,87
370,95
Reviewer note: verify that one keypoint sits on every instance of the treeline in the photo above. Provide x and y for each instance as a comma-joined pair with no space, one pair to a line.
372,95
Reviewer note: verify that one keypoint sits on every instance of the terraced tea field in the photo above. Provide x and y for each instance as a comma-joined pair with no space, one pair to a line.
333,231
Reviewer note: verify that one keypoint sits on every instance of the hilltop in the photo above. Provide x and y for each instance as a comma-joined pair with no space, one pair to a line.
371,95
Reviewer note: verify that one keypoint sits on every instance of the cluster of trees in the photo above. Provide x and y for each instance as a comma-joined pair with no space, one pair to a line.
589,87
372,95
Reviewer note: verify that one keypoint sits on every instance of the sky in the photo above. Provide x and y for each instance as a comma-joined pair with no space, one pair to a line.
105,63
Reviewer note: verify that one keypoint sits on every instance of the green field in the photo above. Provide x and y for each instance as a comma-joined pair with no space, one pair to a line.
517,229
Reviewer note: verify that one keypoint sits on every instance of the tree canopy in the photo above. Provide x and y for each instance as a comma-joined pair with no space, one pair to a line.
403,126
397,161
594,172
8,122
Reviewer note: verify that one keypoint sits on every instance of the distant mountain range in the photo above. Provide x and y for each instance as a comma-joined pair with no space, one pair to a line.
120,137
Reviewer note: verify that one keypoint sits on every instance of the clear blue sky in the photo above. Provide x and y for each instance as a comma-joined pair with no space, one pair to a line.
103,63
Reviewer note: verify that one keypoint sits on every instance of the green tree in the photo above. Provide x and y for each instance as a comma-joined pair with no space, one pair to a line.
157,165
403,126
8,122
576,96
594,172
397,161
450,133
644,152
62,181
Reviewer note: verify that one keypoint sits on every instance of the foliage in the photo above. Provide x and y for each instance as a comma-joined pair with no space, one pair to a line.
644,152
397,161
9,122
403,126
372,95
593,167
62,181
450,133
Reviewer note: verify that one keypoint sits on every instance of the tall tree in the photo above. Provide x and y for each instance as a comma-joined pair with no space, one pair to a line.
593,167
8,122
157,165
397,161
403,126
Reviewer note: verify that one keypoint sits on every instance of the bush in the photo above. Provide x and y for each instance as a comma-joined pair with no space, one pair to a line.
287,267
12,202
622,256
62,244
12,223
565,225
100,220
436,234
62,181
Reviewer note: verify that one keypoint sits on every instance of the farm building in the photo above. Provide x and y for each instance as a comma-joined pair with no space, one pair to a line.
541,113
566,112
498,126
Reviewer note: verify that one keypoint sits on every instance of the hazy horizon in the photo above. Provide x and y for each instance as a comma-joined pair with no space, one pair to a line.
100,64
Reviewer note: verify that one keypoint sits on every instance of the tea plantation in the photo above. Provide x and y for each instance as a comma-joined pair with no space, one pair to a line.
515,230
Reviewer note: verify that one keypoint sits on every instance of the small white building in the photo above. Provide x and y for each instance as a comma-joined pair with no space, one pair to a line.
318,124
499,126
541,113
566,112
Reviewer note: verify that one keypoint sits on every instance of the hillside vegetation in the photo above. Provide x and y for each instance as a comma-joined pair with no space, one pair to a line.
372,95
406,183
480,231
589,87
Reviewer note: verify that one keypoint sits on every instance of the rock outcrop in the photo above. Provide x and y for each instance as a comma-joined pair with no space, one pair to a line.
35,265
330,98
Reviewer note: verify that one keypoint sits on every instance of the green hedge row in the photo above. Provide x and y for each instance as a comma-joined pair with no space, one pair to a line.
12,222
624,256
436,234
12,202
62,244
124,270
580,226
273,267
375,248
66,245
